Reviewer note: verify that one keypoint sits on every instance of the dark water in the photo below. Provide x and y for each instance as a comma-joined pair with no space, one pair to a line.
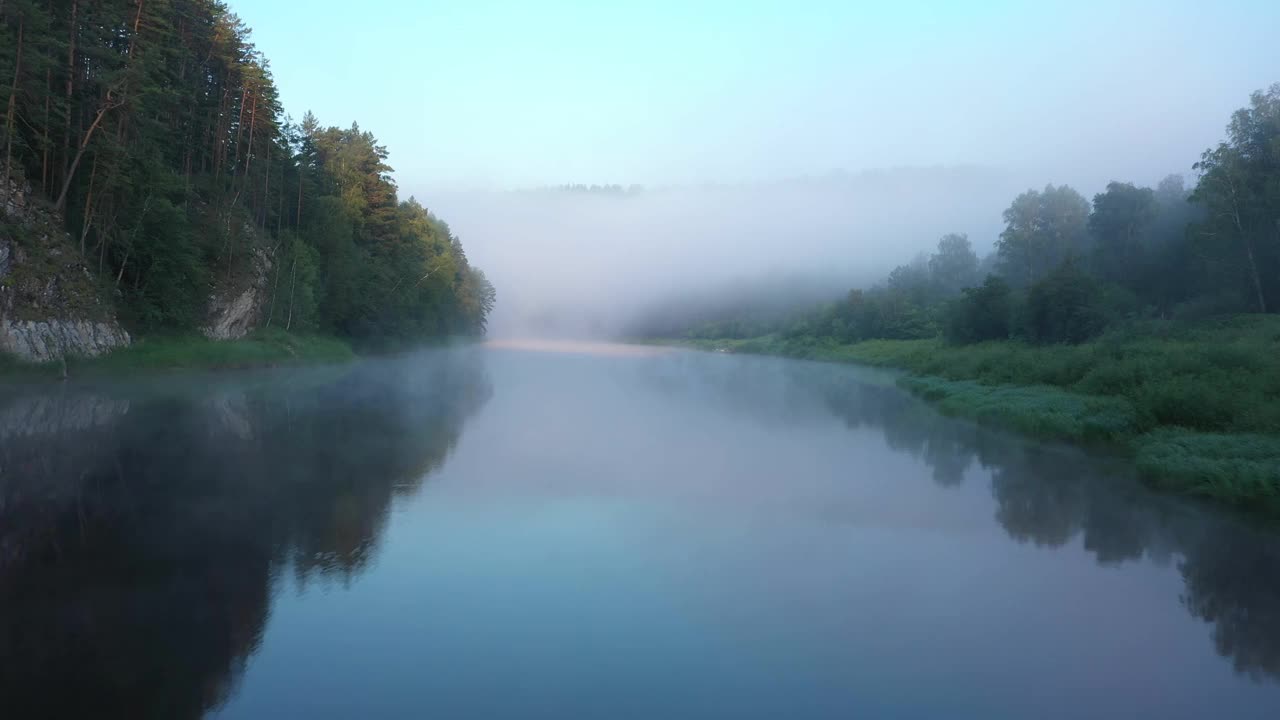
513,534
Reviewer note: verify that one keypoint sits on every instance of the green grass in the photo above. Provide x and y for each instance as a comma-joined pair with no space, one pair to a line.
264,348
1197,405
1038,410
1235,468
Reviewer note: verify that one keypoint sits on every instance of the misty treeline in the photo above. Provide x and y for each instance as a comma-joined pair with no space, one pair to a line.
155,128
1065,269
614,189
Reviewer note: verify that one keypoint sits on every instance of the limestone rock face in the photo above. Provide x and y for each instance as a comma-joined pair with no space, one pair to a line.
237,309
44,340
50,305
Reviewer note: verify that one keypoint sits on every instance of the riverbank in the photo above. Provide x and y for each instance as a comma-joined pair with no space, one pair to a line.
263,348
1197,406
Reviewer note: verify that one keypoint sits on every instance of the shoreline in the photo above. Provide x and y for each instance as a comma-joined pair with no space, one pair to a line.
1237,467
260,349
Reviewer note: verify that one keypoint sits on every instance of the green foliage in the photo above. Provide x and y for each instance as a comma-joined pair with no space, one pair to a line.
981,313
1198,404
1040,410
1239,188
1236,468
296,290
1064,307
169,293
1144,345
954,266
264,348
1119,224
156,130
1042,229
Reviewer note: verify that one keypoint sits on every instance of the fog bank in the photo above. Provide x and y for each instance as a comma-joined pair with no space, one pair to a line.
589,264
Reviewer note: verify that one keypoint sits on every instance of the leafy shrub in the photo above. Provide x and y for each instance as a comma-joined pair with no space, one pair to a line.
165,276
1064,307
981,313
1233,467
1038,409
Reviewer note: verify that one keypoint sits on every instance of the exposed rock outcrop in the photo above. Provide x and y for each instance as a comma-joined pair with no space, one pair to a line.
50,304
44,340
237,308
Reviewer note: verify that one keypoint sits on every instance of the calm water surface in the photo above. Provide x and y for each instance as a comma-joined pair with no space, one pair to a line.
565,532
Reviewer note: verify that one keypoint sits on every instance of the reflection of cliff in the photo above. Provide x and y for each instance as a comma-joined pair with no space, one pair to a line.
138,551
1044,495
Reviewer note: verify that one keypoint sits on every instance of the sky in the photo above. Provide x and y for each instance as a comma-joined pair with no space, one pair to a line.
492,94
785,144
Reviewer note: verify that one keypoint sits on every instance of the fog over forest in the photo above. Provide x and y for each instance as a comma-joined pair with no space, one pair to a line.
600,262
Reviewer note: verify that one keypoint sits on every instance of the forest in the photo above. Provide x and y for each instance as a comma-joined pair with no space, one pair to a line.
1146,317
1065,269
155,129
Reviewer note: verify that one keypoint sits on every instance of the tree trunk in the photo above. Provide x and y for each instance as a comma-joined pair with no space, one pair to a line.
293,284
123,263
266,191
220,131
280,211
248,153
244,96
275,289
107,105
137,19
13,100
70,88
1257,281
1248,251
44,134
88,205
244,180
102,250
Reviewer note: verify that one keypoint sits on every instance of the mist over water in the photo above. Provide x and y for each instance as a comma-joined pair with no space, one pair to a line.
535,519
591,264
582,530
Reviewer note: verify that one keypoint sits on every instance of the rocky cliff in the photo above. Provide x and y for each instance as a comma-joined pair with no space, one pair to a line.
50,303
237,307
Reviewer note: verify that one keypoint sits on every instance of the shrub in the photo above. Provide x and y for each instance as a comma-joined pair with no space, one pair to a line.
981,313
1232,467
1064,307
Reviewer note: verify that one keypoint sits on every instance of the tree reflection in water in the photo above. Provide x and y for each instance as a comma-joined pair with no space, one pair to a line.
1045,495
1049,495
142,531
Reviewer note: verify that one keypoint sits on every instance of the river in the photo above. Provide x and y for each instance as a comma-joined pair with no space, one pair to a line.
589,531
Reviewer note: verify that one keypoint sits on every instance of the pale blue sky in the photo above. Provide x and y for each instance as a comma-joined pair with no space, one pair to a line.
485,93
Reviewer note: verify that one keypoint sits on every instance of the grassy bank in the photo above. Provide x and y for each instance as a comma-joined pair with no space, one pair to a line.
265,348
1197,406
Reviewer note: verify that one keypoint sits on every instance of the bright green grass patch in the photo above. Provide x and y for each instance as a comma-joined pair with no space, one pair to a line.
1221,375
261,349
1198,404
265,348
1038,410
1237,468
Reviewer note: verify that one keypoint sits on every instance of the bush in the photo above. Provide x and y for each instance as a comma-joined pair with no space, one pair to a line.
981,313
1038,410
1230,467
1064,307
166,279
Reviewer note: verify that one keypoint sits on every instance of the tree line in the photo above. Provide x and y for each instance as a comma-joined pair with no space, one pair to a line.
155,128
1065,269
